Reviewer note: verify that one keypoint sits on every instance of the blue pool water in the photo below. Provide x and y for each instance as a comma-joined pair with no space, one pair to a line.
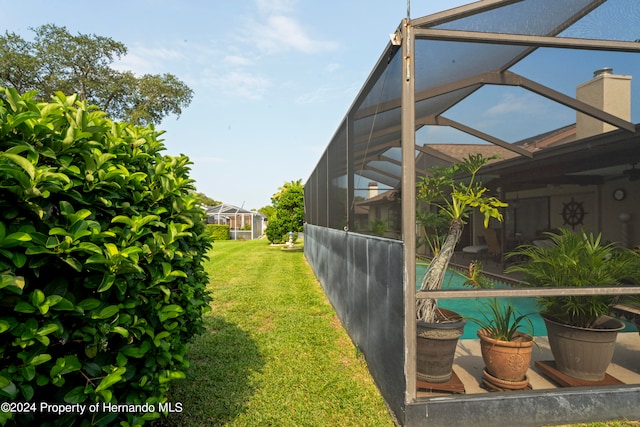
470,307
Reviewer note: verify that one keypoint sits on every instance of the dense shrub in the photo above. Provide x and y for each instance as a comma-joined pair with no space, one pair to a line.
101,250
219,231
276,230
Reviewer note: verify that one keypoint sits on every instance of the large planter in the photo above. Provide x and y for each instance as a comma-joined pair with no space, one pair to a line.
507,360
436,346
580,352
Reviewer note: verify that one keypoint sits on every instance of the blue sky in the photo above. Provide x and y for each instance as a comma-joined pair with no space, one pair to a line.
272,78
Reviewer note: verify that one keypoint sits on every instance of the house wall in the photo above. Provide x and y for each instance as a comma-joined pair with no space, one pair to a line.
627,233
601,211
390,217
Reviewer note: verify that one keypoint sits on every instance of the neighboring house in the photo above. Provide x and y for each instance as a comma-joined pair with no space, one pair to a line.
379,214
243,224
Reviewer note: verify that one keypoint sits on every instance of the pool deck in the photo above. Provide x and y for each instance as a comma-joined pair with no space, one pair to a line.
468,364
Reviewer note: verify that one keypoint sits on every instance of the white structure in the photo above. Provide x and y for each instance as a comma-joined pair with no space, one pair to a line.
243,224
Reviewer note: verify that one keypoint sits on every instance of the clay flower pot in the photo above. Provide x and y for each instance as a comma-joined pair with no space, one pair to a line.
507,360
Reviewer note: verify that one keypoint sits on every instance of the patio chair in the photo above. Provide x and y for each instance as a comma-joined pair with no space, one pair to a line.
475,250
493,245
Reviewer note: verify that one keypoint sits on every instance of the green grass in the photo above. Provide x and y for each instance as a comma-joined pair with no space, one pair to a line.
274,352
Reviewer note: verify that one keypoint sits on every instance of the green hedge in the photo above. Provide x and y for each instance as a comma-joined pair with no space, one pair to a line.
219,231
101,251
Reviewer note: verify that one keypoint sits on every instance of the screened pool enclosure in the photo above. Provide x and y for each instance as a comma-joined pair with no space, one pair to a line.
543,84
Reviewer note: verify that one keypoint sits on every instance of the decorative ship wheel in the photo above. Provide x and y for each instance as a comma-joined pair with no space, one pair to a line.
573,213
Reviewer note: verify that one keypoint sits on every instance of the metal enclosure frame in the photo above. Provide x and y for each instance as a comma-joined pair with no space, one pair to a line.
383,119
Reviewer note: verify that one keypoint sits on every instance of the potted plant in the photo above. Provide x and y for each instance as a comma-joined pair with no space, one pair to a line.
506,348
454,191
581,333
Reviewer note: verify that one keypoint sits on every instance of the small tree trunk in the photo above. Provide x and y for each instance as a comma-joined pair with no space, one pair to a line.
426,307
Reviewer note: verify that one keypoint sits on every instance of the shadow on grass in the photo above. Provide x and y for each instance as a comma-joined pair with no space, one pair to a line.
219,381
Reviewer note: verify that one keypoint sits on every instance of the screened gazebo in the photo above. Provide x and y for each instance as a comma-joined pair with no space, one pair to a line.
243,224
545,85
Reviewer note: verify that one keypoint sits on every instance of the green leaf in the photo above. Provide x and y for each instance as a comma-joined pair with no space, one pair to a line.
158,338
4,326
24,307
62,305
89,304
74,263
28,372
106,312
14,239
9,280
27,391
120,330
11,390
170,311
40,359
25,164
121,219
112,249
47,329
107,281
37,298
111,379
75,395
65,365
137,352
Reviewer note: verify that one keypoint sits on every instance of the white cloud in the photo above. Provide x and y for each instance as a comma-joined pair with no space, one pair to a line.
277,30
145,60
242,84
332,67
237,60
275,6
511,103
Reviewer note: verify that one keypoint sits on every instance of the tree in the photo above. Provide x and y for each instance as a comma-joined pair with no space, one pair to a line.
203,199
288,215
267,211
56,61
454,199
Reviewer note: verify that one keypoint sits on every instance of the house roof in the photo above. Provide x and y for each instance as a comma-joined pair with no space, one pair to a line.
381,199
226,209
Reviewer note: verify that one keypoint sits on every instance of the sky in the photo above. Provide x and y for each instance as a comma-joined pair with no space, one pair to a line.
272,79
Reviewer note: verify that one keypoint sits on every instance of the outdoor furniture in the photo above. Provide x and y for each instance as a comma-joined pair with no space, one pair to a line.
493,245
475,250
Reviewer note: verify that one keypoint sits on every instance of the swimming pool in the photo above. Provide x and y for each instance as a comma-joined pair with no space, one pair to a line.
470,307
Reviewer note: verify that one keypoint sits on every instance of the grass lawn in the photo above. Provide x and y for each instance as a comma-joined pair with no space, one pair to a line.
274,352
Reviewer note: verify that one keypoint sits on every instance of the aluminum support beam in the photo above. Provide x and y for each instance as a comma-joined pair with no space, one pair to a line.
408,120
525,40
528,292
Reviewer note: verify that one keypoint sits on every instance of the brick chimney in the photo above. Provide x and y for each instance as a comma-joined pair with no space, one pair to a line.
610,93
373,189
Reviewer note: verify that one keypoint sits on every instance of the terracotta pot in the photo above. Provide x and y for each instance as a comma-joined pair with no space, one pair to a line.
498,384
507,360
580,352
436,347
